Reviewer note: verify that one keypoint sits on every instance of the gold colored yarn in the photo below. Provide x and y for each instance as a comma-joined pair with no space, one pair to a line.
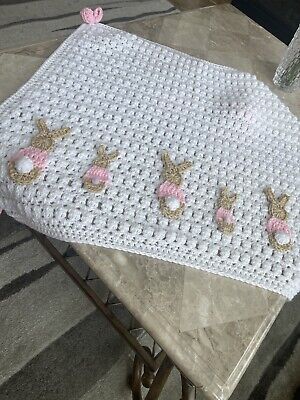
276,209
44,140
173,174
225,227
22,178
276,206
103,160
277,246
171,214
227,201
91,187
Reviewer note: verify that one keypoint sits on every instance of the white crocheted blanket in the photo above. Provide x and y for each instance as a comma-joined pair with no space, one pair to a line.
143,100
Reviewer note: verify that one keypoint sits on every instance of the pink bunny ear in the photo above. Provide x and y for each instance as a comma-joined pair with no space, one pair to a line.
91,17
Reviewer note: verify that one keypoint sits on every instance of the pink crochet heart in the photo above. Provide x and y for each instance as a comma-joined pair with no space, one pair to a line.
90,16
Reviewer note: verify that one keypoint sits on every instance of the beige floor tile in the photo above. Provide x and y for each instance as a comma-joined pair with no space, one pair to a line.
25,22
42,50
35,317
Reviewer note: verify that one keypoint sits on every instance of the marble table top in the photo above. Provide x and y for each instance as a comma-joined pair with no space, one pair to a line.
210,326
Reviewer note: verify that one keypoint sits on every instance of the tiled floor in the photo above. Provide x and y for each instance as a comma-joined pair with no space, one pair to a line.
31,21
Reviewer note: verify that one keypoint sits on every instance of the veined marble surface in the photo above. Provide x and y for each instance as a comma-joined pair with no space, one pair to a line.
210,326
163,297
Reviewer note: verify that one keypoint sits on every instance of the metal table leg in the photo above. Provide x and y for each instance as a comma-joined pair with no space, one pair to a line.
160,379
144,360
188,389
92,295
152,380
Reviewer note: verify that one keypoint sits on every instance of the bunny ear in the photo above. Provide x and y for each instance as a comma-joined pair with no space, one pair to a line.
101,151
59,133
224,192
283,199
42,127
269,194
166,159
113,155
226,195
233,197
184,166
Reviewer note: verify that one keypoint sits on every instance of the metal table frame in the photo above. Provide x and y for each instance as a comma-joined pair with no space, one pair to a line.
150,370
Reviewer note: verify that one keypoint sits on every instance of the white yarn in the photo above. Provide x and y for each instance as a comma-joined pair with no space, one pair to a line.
141,98
96,180
173,203
282,237
24,164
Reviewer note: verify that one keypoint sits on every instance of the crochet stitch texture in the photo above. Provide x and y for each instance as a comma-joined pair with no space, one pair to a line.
141,98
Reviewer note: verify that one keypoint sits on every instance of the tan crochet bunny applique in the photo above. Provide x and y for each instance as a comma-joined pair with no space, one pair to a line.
280,235
171,196
28,163
224,214
97,176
